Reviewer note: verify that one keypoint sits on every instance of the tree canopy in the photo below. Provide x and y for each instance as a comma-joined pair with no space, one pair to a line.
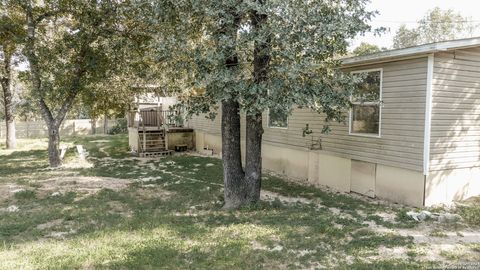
73,49
437,25
304,39
366,48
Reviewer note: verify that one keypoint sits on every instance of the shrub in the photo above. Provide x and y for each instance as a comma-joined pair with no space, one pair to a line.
471,214
25,195
120,127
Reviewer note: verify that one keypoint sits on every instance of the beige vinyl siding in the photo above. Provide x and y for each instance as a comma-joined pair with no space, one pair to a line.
202,123
455,126
402,124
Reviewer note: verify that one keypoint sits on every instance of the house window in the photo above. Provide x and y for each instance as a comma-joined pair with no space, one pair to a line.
277,118
366,104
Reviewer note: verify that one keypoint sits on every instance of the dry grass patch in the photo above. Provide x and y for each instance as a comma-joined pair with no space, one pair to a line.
87,185
123,212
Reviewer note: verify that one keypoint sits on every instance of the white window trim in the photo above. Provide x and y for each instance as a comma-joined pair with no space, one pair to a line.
379,135
268,121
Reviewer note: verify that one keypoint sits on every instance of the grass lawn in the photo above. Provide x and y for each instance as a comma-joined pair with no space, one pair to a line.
116,211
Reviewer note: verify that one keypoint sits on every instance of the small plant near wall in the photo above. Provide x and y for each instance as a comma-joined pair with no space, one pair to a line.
312,144
306,131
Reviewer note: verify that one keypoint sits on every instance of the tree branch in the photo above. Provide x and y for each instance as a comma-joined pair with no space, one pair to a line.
75,86
45,15
33,61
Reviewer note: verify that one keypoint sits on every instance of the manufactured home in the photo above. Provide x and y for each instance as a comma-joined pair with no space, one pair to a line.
416,140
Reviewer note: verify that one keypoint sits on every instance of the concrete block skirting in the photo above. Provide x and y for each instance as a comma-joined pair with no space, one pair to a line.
208,141
400,185
394,184
451,185
287,161
330,171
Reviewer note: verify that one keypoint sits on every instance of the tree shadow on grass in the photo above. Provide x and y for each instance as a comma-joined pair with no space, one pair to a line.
203,236
22,162
156,256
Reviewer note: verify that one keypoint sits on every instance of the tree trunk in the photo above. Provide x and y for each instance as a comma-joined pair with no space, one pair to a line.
11,133
93,123
6,80
253,153
233,175
53,146
105,124
254,129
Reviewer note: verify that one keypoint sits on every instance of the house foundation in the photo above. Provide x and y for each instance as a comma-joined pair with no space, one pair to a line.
451,185
322,168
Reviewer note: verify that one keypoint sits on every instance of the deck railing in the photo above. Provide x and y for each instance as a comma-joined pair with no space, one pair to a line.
172,118
154,118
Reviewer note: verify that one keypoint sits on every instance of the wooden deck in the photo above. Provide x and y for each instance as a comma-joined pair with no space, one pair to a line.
152,127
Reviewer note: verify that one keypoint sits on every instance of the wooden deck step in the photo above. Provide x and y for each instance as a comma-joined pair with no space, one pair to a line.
153,148
153,140
151,134
152,143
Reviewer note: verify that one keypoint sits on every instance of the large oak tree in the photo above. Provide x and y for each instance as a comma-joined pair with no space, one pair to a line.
251,56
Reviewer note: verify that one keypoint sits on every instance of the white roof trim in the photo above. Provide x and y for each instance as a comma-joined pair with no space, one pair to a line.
412,51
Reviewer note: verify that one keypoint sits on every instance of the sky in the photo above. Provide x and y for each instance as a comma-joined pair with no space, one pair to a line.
395,12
